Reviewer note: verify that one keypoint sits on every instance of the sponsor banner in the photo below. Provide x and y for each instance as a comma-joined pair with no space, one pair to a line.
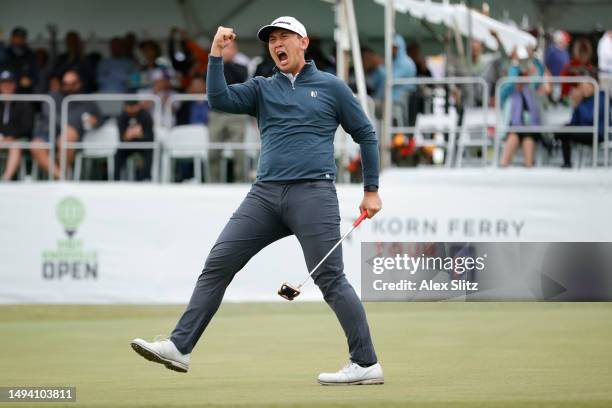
486,271
147,243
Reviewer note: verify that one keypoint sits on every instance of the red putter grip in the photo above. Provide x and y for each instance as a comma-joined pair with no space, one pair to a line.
362,217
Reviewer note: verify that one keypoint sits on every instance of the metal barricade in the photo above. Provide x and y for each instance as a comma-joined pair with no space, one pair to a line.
154,145
474,81
342,146
168,112
503,128
210,145
606,83
50,145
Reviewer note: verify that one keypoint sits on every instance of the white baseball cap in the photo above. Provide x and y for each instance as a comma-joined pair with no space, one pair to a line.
286,22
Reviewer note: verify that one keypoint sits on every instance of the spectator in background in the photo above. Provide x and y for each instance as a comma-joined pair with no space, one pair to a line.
227,127
556,56
55,84
374,69
74,60
403,67
604,59
129,41
43,62
45,59
191,113
194,112
487,65
82,116
20,60
322,61
241,58
414,52
520,102
151,53
604,52
180,57
266,67
192,61
117,73
582,115
16,119
416,104
161,87
579,65
135,125
235,71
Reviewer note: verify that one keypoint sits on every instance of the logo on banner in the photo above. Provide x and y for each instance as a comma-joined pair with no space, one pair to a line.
70,260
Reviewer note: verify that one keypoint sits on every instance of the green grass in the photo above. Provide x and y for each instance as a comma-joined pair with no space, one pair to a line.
268,355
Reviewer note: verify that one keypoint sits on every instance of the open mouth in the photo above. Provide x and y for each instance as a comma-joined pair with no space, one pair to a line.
282,57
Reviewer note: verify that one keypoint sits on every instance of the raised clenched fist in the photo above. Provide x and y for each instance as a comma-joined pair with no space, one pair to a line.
223,37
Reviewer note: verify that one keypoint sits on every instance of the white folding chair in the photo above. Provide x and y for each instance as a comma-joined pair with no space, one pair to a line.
186,142
435,125
473,132
557,115
130,164
100,143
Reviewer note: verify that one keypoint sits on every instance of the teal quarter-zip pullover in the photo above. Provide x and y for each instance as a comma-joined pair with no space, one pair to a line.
297,121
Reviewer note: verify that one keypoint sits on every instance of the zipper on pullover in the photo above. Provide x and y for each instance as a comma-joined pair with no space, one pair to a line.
291,81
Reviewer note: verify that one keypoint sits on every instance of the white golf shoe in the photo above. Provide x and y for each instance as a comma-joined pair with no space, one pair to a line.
354,374
162,352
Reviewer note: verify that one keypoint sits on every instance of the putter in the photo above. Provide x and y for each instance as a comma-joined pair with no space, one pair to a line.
290,292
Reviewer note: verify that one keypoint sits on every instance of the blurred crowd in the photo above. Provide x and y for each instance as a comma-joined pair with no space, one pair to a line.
130,67
140,66
522,104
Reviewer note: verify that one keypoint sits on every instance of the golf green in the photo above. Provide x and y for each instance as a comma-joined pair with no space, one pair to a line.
269,355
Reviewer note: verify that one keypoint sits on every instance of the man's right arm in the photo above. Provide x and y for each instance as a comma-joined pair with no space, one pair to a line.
238,98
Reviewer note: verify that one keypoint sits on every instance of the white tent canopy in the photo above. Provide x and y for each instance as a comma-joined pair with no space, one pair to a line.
467,22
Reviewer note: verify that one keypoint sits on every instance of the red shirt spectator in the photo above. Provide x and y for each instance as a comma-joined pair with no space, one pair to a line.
579,65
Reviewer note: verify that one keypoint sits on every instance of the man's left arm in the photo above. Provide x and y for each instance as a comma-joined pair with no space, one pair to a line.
355,122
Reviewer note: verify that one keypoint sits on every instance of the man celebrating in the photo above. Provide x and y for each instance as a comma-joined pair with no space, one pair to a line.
298,110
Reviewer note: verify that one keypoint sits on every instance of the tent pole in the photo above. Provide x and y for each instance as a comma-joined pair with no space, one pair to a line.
469,39
357,61
340,34
385,142
342,73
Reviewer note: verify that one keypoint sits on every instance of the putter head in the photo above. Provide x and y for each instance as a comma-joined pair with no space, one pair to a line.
288,292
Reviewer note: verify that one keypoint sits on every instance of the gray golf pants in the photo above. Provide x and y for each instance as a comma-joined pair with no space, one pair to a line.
269,212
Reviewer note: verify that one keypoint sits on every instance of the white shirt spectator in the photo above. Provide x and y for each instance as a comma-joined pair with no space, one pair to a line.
604,52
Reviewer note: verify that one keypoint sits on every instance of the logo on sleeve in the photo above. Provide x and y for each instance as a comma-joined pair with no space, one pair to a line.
313,94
